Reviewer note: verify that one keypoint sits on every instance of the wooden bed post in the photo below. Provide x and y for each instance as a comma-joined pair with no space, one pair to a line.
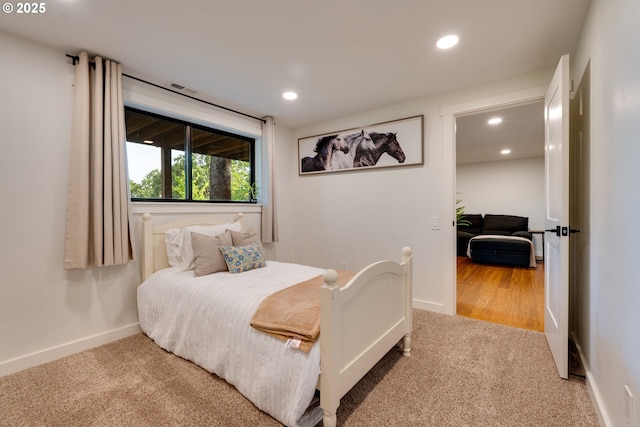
147,246
329,362
408,273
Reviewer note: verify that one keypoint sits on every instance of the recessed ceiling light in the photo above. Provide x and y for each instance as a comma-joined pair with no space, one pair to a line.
505,152
447,42
290,95
148,141
495,120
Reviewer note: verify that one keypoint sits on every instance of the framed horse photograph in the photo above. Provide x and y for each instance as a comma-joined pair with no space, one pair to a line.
381,145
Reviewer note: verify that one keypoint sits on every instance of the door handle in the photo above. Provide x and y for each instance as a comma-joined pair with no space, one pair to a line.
554,230
566,231
562,231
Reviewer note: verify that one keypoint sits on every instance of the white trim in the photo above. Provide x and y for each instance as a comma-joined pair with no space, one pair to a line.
154,100
594,393
435,307
149,98
183,208
449,203
449,114
73,347
498,101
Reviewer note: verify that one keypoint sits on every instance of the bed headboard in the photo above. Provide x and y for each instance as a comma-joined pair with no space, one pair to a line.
154,250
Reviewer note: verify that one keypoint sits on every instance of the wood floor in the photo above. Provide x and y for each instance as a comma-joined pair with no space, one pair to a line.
512,296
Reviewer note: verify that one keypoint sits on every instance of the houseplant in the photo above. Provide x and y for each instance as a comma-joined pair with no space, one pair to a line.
253,192
460,213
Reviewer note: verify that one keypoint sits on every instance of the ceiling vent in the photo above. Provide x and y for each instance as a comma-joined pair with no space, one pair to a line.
180,88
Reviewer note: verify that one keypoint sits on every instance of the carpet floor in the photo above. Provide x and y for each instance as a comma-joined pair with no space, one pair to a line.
461,372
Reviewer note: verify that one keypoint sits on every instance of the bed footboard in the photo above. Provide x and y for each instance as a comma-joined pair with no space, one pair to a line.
360,323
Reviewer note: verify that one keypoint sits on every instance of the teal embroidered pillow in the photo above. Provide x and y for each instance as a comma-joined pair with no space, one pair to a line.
243,258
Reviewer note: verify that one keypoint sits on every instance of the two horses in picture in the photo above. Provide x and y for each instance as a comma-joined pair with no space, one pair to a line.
355,150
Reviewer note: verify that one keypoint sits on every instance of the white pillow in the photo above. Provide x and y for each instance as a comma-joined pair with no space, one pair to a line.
178,242
173,242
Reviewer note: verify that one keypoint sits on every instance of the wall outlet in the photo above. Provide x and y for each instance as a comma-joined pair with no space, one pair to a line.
628,406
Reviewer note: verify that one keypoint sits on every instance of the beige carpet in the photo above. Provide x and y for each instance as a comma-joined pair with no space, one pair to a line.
462,372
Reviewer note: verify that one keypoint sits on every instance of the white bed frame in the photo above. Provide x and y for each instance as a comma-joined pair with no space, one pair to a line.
360,322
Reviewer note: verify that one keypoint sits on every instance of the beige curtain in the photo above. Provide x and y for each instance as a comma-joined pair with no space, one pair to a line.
97,224
268,191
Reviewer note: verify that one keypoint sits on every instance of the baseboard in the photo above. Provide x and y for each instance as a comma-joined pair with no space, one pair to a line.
54,353
430,306
592,388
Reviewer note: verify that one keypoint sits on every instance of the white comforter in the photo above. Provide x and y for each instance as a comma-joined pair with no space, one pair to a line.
206,320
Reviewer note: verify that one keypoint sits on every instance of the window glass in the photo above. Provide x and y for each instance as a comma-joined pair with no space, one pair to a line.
173,160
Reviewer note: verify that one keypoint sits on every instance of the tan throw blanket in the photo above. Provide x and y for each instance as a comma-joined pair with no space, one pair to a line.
294,312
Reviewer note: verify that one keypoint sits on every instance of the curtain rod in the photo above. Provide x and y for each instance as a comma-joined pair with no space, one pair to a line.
77,58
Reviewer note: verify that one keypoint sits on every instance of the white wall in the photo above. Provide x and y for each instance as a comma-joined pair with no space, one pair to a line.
511,187
43,307
360,216
284,250
610,337
46,312
355,217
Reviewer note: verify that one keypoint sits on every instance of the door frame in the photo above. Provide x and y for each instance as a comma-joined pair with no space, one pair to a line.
449,114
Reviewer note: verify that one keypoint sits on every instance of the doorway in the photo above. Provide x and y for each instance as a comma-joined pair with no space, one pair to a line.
500,171
579,295
579,213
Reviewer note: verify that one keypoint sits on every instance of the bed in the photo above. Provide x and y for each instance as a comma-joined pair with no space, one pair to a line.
206,318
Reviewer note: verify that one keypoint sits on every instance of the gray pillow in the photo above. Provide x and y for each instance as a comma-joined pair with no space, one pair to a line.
244,238
208,258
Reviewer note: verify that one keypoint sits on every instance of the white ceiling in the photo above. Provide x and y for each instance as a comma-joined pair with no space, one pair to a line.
521,131
342,57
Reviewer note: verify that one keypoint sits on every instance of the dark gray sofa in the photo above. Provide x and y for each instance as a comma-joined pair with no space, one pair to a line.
495,251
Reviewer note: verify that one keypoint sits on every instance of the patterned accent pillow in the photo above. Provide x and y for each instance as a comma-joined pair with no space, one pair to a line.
243,258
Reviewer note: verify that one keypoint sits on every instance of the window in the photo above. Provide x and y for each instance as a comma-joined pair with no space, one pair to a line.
169,159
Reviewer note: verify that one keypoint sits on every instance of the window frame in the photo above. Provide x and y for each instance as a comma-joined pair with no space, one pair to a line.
188,152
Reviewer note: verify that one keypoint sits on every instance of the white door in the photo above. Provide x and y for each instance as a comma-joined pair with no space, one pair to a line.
556,263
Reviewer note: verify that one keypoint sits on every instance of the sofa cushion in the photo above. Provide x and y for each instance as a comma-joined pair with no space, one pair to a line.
463,242
475,226
524,234
499,224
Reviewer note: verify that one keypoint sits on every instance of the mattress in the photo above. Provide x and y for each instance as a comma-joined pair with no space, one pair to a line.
206,320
